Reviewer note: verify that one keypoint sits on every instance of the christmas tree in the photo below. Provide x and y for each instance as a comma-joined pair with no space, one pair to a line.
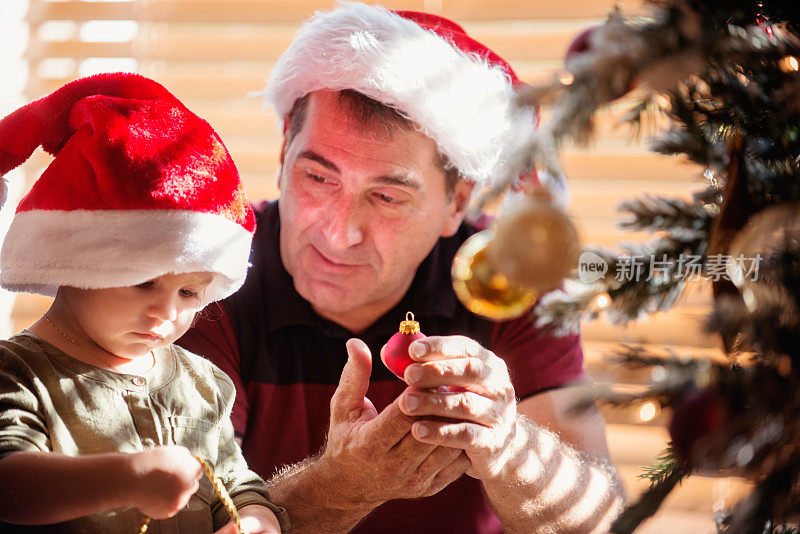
726,74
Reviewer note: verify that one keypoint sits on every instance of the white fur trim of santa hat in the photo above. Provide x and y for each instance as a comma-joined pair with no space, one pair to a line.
459,99
95,249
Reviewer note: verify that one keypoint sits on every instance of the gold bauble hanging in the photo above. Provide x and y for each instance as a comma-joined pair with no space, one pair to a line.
536,245
482,289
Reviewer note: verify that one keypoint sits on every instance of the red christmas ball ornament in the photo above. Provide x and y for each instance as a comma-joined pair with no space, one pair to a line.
697,419
395,354
580,43
621,84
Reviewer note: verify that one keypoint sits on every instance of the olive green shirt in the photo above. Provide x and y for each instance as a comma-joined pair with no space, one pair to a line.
50,401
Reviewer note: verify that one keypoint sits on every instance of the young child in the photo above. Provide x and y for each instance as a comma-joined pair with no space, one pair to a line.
138,223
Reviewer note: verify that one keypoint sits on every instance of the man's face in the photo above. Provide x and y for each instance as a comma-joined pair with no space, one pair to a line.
359,214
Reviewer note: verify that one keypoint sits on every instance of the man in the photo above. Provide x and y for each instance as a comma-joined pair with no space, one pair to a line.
390,121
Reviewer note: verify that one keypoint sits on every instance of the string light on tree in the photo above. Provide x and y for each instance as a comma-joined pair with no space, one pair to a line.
648,411
789,64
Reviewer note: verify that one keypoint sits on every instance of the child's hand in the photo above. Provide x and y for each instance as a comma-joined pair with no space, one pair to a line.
256,519
164,480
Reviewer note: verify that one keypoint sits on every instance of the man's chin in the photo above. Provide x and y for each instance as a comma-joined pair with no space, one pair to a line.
327,299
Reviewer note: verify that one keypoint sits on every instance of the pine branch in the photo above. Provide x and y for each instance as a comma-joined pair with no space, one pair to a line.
690,134
772,528
666,464
650,288
650,501
654,213
678,376
642,117
646,280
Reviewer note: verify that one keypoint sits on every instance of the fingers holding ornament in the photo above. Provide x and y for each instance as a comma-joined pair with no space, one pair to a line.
448,348
487,448
465,406
479,418
457,363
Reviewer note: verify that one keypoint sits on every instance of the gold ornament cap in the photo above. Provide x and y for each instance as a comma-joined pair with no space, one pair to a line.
409,326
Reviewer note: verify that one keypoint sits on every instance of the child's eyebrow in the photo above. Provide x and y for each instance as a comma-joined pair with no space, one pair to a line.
204,281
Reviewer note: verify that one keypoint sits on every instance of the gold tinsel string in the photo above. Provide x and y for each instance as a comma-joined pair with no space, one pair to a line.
219,487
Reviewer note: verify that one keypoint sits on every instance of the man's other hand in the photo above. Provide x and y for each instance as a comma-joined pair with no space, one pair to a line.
479,417
372,457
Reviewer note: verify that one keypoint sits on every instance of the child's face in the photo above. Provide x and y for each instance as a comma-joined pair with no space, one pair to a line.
131,321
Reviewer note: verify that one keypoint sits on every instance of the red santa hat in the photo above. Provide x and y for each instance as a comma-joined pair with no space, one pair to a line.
140,186
456,90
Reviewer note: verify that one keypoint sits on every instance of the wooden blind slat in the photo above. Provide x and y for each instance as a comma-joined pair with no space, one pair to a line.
221,45
466,10
222,11
681,326
39,50
216,11
233,80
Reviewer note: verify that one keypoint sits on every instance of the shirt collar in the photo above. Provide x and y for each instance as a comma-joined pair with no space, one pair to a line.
162,373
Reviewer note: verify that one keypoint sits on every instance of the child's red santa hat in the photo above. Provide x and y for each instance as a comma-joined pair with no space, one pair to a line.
140,186
456,90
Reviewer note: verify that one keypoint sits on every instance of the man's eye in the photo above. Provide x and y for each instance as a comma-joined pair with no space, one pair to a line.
317,178
189,293
386,199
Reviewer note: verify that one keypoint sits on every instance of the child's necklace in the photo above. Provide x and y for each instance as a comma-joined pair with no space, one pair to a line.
80,345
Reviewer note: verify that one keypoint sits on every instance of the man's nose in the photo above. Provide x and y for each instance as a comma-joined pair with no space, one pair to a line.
344,228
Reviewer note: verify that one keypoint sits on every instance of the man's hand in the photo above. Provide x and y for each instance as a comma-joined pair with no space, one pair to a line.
481,420
373,457
535,482
164,478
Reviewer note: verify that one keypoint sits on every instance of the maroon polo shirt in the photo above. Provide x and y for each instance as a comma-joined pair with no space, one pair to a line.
285,361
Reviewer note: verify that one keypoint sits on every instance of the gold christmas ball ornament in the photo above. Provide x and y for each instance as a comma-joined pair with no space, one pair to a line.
536,245
482,289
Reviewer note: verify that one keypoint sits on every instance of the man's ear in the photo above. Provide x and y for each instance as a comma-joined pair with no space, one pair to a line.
459,203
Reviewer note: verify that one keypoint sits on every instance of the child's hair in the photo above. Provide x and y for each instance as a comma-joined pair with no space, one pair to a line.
140,186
